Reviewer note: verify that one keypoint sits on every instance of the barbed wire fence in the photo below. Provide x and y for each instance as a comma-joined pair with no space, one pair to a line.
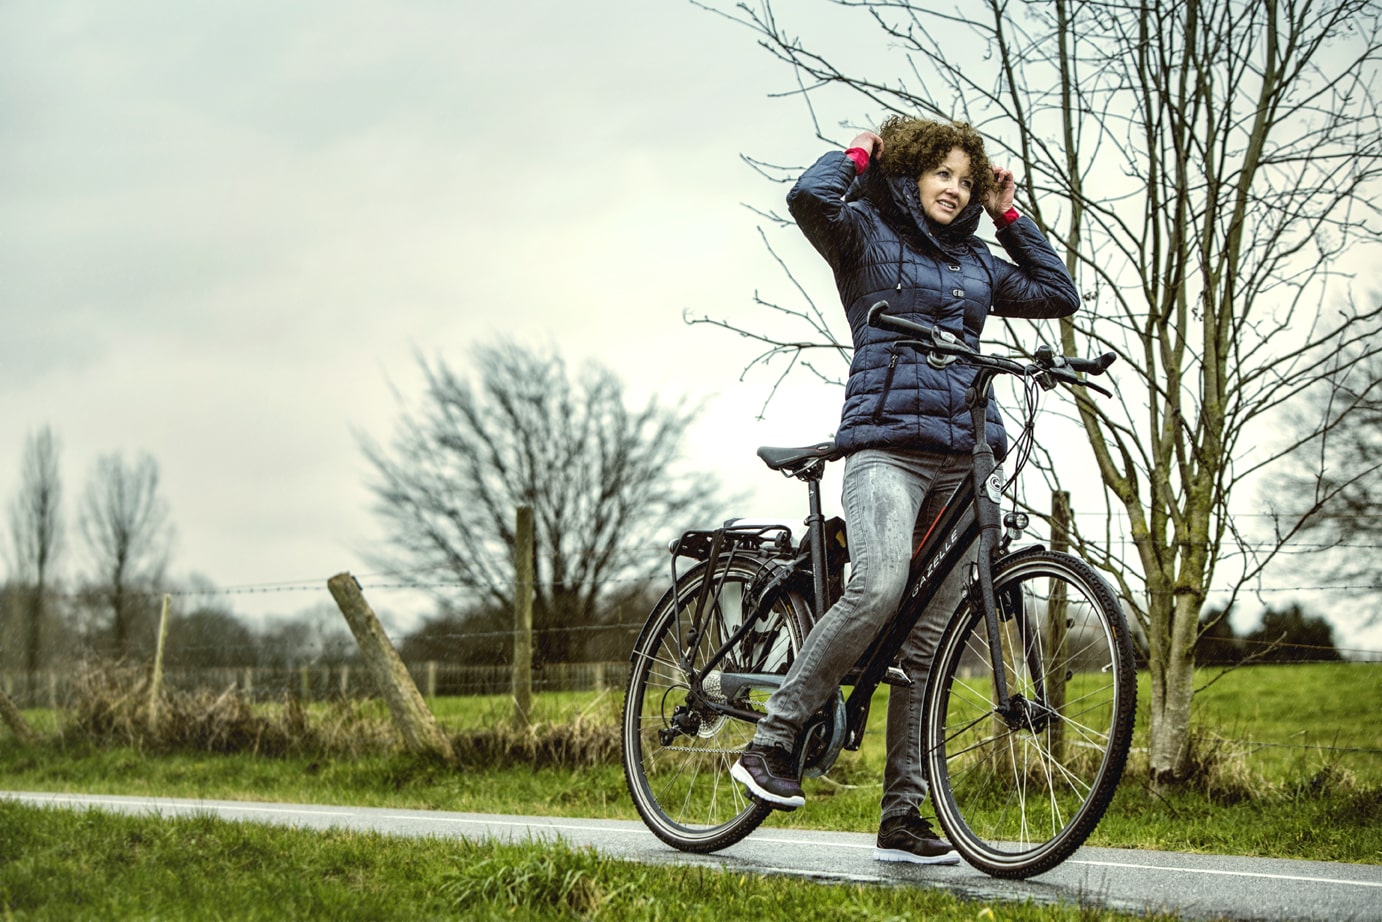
331,671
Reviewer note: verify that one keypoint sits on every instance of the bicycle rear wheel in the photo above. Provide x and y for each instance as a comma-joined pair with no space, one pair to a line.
677,754
1017,792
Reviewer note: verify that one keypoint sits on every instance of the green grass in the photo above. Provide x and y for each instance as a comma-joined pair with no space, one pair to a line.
80,865
1291,756
1289,760
1289,722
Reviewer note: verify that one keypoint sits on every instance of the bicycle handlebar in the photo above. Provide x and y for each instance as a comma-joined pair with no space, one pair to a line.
1048,364
1094,366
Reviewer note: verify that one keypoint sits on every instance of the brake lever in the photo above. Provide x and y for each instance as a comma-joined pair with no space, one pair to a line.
1049,377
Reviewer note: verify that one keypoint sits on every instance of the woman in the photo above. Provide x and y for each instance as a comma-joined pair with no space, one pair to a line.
895,217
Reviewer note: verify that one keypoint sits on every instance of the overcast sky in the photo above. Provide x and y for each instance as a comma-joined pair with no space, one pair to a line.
228,227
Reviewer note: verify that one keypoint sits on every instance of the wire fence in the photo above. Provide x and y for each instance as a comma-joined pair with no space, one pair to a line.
54,688
331,673
349,681
388,585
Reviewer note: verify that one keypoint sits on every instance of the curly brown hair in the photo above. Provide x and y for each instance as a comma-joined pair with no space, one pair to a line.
911,146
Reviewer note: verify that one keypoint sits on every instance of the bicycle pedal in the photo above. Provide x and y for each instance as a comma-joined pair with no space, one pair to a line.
895,676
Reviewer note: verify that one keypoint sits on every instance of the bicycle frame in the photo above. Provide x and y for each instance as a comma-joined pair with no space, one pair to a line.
970,515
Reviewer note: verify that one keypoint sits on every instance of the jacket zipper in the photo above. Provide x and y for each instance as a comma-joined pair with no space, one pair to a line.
887,387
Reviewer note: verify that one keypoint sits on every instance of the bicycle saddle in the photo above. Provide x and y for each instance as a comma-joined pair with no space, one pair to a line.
780,459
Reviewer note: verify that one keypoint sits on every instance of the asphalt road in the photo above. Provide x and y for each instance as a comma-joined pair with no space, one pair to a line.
1194,886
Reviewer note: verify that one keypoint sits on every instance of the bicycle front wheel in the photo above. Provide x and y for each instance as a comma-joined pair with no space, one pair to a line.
1019,788
678,752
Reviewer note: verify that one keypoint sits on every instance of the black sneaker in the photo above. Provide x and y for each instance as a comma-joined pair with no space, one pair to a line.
911,838
770,774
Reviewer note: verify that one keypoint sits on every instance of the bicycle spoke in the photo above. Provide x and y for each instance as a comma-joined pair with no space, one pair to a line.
678,748
1019,784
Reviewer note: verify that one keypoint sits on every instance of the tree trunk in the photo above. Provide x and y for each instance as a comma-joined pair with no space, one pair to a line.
32,641
1176,623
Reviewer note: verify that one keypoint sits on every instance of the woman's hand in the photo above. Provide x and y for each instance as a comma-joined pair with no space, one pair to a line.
870,143
1000,198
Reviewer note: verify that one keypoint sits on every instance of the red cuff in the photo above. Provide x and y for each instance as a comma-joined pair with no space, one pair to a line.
860,158
1008,217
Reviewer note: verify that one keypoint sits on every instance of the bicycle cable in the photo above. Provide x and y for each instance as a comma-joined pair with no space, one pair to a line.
1025,442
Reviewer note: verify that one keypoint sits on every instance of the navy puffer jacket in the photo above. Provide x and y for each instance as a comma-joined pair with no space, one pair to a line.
873,233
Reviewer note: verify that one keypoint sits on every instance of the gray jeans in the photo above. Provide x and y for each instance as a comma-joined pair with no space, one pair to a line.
883,492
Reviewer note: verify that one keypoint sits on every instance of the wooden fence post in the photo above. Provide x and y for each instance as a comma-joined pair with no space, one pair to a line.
15,720
1057,611
421,733
523,618
156,685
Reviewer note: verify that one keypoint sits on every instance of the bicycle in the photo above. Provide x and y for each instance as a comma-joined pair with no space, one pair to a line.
1030,705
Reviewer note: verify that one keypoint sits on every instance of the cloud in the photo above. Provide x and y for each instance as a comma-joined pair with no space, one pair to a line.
228,228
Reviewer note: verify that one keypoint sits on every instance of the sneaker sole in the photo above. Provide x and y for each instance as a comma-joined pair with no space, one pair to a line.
776,801
899,855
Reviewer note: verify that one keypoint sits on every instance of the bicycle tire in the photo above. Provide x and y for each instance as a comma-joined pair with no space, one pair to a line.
1017,794
681,787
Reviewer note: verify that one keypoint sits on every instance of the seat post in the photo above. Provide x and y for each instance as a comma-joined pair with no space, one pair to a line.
815,532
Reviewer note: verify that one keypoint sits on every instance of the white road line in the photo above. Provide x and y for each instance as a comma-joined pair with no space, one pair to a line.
539,825
228,808
816,843
516,823
1222,873
182,805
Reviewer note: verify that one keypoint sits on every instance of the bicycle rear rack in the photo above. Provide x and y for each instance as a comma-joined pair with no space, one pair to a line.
735,535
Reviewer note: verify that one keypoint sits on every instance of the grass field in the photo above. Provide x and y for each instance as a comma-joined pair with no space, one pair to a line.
98,866
1289,759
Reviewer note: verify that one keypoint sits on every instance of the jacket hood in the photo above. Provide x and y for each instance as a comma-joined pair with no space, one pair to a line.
898,201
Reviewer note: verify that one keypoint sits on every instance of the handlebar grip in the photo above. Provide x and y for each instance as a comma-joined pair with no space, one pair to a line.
1094,366
895,324
1047,358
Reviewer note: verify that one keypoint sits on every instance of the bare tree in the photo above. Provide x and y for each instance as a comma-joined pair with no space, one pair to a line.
1328,494
36,538
599,476
128,534
315,636
1207,167
205,632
